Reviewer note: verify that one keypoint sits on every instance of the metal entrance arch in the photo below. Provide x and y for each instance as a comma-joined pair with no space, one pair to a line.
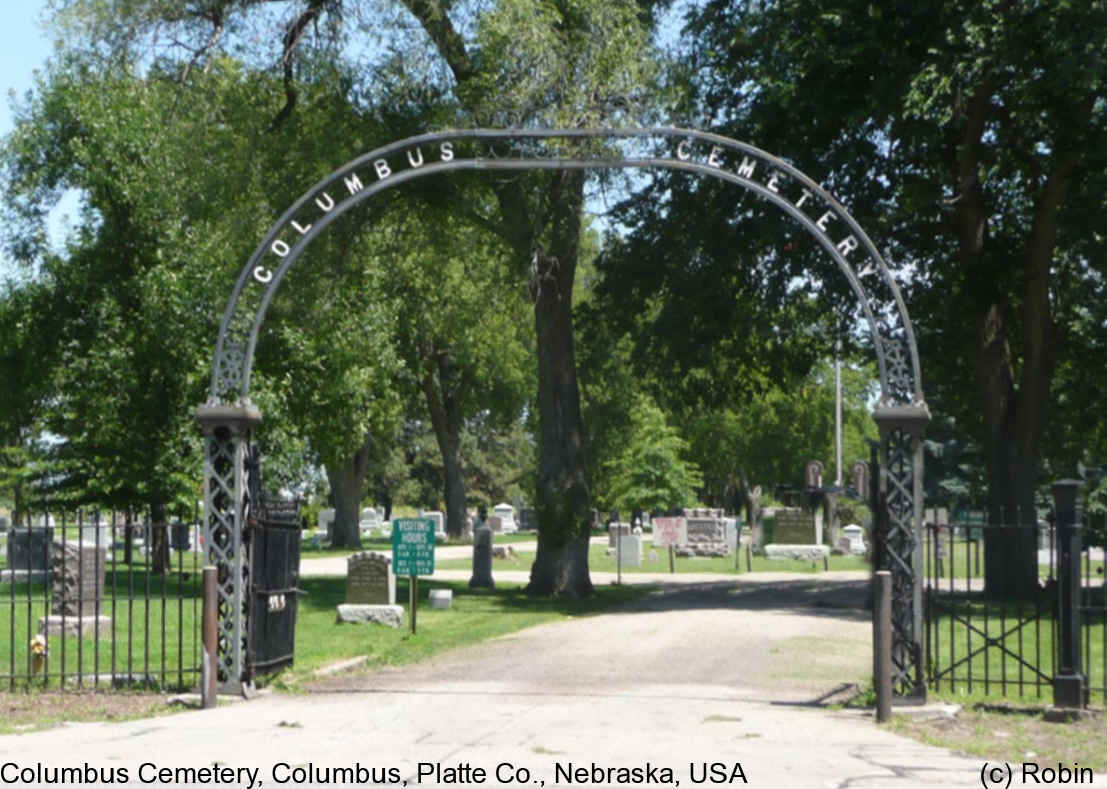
228,417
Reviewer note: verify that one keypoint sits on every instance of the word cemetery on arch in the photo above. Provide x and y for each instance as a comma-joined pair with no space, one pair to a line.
229,417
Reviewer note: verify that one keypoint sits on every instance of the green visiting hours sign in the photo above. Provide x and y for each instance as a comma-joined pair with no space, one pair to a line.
413,546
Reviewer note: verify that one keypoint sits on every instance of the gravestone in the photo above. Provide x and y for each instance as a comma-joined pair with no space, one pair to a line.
29,551
757,529
854,536
495,524
629,551
369,579
370,591
613,532
794,526
730,526
439,522
506,514
813,474
528,519
77,572
326,523
180,537
859,474
797,535
704,534
482,559
441,598
370,519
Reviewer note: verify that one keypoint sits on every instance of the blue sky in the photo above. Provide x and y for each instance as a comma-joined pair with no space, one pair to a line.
25,46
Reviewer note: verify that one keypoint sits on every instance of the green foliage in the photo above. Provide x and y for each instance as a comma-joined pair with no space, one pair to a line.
767,440
651,473
965,140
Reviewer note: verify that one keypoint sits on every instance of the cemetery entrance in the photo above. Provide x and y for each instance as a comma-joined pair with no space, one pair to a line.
228,417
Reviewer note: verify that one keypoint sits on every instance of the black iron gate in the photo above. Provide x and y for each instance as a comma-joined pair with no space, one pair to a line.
273,548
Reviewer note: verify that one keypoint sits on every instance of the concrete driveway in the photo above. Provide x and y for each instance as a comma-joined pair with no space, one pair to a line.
717,682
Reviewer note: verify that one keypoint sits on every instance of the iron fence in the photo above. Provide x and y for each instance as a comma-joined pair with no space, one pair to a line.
996,623
92,599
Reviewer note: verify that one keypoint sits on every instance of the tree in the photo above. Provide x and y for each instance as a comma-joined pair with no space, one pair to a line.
121,318
967,137
651,473
476,66
462,331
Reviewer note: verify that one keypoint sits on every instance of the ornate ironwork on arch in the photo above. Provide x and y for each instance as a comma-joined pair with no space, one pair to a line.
441,153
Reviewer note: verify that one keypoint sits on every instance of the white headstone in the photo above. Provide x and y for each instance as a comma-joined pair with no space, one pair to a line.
629,551
731,527
441,598
856,536
439,522
506,513
326,521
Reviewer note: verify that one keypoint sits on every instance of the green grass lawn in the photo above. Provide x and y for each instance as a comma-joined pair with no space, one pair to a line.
1006,668
476,614
599,561
158,640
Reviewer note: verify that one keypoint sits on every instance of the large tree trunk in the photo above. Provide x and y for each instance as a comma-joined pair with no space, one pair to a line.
347,482
445,412
1010,555
1014,419
561,563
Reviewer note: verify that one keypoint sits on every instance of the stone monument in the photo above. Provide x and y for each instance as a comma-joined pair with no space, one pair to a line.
797,534
77,571
370,591
859,476
629,551
813,474
482,559
704,533
29,551
613,532
506,513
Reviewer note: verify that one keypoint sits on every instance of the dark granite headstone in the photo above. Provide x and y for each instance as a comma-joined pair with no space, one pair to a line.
482,559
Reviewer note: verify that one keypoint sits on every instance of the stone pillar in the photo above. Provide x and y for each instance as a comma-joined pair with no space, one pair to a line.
900,546
482,559
227,430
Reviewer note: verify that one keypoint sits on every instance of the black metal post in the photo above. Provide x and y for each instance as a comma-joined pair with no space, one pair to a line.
1068,682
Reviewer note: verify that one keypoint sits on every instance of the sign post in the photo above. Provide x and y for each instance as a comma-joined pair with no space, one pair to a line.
666,531
412,554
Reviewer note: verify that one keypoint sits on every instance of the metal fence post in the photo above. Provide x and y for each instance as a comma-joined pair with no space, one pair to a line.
1068,683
